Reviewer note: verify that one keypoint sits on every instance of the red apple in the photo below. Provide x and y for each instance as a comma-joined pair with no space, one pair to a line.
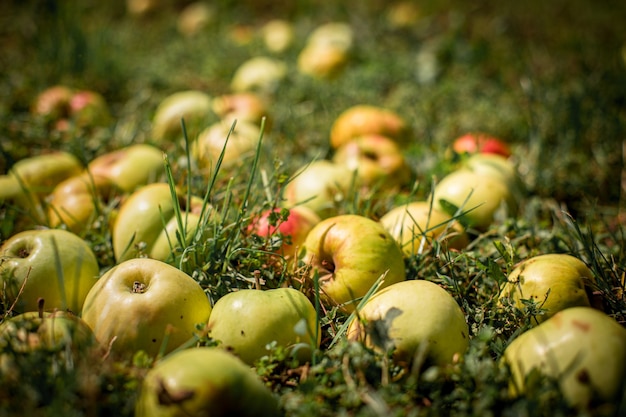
53,103
480,143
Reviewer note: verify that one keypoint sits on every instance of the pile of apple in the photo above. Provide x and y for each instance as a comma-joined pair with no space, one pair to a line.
53,285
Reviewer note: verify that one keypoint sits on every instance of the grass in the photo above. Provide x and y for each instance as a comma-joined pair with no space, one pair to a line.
527,73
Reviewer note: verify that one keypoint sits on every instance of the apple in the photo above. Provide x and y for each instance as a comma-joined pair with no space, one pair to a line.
244,107
246,321
89,109
410,318
141,8
289,226
376,160
278,35
192,106
583,348
241,144
554,281
478,196
494,165
403,14
480,143
204,381
322,60
194,18
53,103
321,185
52,264
363,119
145,304
259,73
147,224
349,253
337,34
417,224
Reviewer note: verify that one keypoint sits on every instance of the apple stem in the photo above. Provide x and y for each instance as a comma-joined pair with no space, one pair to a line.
139,287
40,303
257,279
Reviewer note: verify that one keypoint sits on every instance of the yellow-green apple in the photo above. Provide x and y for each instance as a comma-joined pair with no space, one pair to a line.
241,144
582,348
140,8
89,109
349,253
204,381
478,196
322,60
52,264
337,34
499,167
194,18
376,160
145,304
246,321
146,223
289,226
554,281
321,185
244,107
278,35
478,142
192,106
410,318
403,14
363,119
64,337
52,103
259,73
417,224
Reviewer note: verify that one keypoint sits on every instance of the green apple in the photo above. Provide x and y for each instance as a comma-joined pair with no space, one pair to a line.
338,34
417,224
193,106
581,347
204,381
478,196
498,167
52,264
246,321
260,73
349,253
291,231
278,35
377,161
321,185
147,224
410,318
241,144
145,304
364,119
554,281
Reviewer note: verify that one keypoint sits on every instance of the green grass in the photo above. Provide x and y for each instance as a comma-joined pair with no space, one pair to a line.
549,77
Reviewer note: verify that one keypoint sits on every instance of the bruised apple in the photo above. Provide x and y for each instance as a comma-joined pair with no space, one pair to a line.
204,381
145,304
410,316
349,253
246,321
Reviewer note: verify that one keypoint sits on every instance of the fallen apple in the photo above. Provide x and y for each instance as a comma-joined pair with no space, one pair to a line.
480,143
377,161
89,109
289,226
417,224
194,18
322,60
145,304
362,119
582,348
412,318
278,35
260,73
349,253
204,381
336,34
52,264
322,185
553,281
245,322
245,107
191,106
52,103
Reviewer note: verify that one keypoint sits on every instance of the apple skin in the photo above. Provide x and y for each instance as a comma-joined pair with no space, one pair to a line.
278,35
363,119
565,277
204,381
377,161
142,304
260,73
29,259
410,223
350,253
240,147
480,143
292,231
193,106
141,219
414,312
89,109
245,107
337,34
582,347
322,61
194,18
246,321
321,185
53,103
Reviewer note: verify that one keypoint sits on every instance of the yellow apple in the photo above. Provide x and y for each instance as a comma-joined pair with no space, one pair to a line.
363,119
259,73
278,35
192,106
